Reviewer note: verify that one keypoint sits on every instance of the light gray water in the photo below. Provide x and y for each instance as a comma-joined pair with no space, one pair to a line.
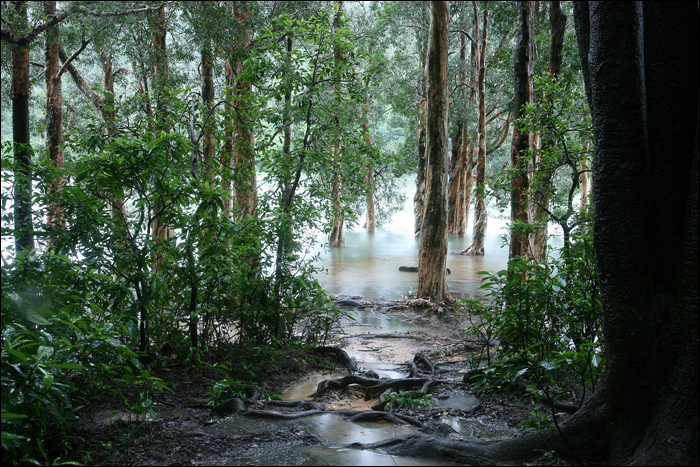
369,264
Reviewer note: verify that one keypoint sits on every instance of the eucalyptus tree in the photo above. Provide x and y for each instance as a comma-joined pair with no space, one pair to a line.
523,72
432,254
480,215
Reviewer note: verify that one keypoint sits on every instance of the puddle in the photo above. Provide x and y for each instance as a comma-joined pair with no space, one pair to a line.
331,428
302,389
306,455
385,371
457,401
367,322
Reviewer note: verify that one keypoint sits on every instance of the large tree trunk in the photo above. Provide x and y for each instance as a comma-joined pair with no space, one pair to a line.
480,216
519,241
432,256
54,117
644,101
19,94
336,238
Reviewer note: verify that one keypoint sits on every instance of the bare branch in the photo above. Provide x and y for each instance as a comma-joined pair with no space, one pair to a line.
67,62
95,98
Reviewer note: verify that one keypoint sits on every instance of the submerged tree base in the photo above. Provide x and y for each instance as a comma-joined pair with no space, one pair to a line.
471,251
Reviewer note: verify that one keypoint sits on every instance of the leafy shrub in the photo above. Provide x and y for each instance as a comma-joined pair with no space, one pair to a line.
541,321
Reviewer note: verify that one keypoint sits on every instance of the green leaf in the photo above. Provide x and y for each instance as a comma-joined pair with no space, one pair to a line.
12,436
9,416
68,366
17,354
35,317
48,381
595,360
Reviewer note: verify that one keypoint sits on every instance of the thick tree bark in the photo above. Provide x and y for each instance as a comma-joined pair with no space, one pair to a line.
432,255
19,95
54,116
480,215
644,101
524,56
336,238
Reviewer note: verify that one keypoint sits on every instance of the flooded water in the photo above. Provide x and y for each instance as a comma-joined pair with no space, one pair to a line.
369,264
333,431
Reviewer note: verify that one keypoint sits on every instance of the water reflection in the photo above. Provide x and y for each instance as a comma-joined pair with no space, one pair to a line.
368,264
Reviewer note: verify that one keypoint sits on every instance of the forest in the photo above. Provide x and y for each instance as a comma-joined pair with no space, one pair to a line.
168,167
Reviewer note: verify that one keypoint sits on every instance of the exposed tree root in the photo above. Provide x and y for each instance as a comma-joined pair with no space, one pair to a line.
584,440
341,355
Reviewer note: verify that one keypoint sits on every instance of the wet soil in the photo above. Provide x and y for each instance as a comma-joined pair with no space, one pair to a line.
181,435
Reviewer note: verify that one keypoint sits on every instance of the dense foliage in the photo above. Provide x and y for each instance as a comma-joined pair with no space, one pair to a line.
153,257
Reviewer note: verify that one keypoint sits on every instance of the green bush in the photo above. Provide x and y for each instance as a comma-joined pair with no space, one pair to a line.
58,349
541,322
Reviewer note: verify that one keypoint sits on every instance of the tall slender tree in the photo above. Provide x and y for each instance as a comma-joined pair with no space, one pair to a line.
480,216
54,114
336,238
19,94
432,255
244,179
524,57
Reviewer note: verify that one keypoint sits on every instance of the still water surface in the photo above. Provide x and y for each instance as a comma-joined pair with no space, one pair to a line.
369,264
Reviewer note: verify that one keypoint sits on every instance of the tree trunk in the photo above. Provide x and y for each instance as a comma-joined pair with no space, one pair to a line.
336,238
557,24
244,181
456,218
226,157
371,219
470,151
644,102
432,256
457,183
480,216
419,198
583,183
19,94
209,143
160,79
519,241
54,117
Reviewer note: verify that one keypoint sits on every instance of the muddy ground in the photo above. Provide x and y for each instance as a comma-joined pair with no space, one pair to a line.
181,435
